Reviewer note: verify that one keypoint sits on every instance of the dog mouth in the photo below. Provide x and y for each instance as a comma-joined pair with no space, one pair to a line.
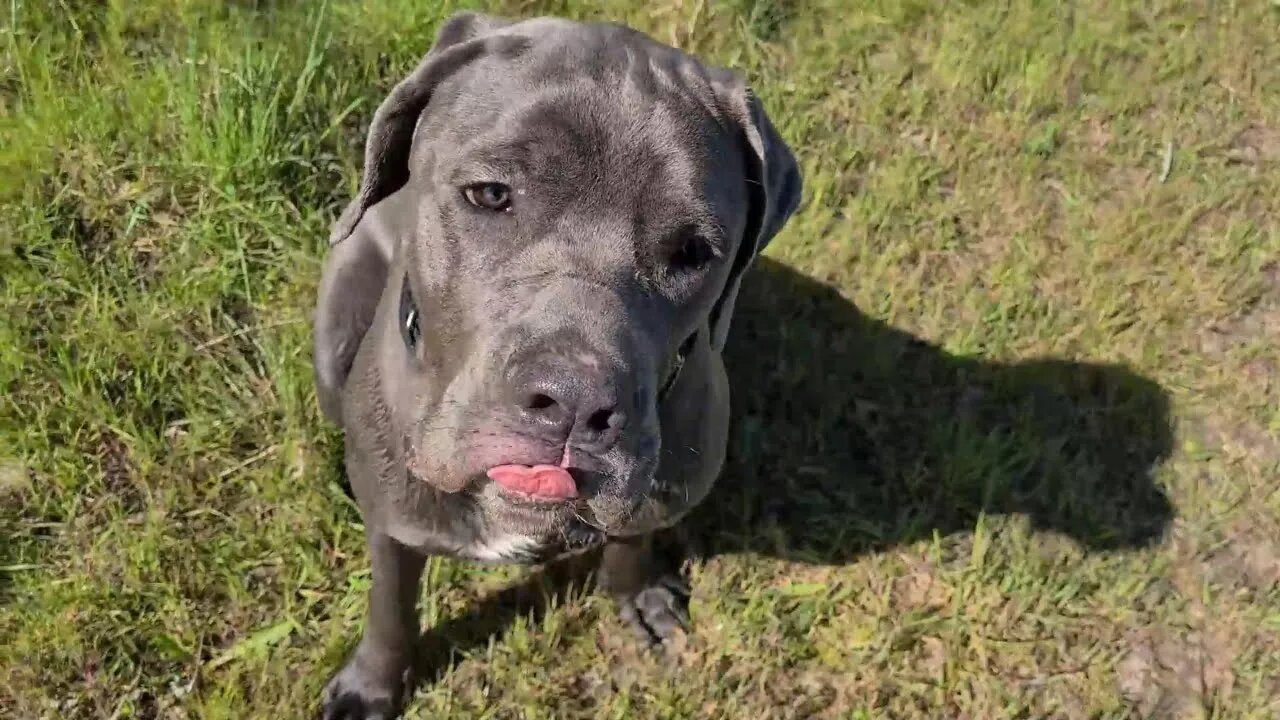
551,483
596,506
545,485
566,521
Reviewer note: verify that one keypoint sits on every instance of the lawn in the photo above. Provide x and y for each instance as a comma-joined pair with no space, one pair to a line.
1007,389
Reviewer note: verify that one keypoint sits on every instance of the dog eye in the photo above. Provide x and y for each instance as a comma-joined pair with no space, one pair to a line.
409,329
490,196
692,252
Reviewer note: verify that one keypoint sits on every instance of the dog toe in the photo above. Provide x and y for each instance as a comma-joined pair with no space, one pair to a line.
659,613
351,706
353,695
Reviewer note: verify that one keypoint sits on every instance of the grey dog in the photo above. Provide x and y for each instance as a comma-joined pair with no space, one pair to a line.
521,317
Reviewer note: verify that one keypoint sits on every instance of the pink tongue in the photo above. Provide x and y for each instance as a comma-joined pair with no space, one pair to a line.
544,481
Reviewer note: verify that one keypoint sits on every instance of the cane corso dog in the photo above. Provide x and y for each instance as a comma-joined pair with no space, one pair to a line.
521,316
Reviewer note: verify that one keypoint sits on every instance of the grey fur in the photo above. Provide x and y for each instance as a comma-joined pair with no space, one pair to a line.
618,149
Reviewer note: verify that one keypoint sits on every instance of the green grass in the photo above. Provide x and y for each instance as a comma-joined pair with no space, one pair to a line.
1007,437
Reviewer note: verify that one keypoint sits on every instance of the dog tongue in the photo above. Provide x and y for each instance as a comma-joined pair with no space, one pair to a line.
544,481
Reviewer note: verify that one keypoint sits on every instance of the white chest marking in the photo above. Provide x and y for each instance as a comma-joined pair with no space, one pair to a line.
502,547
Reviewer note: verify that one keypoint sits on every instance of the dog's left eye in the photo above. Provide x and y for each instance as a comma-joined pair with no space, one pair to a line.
490,196
692,252
409,329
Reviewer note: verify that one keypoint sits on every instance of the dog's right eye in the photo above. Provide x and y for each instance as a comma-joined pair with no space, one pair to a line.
489,196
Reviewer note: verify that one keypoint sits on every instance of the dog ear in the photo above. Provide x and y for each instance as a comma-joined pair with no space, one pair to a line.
773,187
351,285
355,271
386,153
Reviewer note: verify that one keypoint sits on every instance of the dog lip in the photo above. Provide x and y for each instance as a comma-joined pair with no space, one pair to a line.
528,499
549,481
586,482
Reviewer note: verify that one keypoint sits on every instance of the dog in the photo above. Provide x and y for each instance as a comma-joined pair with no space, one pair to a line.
520,319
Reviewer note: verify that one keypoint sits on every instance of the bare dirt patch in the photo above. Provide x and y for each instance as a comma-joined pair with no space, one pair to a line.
1255,145
1250,558
1260,319
1173,674
119,473
15,480
1238,438
920,587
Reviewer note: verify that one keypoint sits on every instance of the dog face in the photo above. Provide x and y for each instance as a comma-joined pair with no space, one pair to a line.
579,203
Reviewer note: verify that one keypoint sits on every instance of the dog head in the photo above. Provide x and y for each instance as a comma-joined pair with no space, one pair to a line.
573,208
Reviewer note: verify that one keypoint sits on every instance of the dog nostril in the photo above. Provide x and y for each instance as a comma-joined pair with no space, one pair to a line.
604,420
539,401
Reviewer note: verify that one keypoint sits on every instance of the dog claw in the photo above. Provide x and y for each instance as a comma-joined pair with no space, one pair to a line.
659,613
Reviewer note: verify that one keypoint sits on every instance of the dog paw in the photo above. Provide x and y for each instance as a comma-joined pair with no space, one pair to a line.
659,613
358,694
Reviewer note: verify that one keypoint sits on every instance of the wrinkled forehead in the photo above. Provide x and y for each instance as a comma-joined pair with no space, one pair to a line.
621,115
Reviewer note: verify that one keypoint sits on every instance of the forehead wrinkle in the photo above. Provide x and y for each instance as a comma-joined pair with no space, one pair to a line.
586,133
500,148
627,98
617,138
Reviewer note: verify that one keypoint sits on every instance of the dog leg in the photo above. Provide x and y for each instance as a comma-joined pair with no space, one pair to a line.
652,596
375,679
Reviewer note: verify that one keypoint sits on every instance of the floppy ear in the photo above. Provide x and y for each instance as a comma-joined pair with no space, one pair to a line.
386,151
355,271
773,187
351,285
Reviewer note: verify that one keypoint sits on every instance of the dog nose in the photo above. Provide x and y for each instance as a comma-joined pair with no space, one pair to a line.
576,403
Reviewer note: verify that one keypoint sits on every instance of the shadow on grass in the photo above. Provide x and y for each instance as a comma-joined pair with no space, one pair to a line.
852,437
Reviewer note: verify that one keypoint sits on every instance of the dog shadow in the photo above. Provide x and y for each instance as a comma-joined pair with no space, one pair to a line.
855,437
850,436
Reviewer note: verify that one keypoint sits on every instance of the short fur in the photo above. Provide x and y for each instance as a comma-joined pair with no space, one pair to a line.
618,149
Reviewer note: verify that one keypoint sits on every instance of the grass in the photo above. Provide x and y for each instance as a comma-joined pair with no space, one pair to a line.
1007,434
